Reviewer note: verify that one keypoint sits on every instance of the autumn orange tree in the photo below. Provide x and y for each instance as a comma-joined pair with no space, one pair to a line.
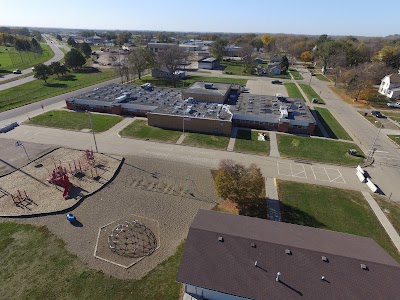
239,184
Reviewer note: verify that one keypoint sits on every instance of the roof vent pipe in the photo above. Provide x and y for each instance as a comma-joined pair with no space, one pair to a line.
255,264
277,276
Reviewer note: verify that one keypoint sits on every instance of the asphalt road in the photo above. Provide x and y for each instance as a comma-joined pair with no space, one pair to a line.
58,55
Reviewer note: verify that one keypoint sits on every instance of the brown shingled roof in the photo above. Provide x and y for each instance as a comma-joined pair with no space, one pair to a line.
395,78
229,266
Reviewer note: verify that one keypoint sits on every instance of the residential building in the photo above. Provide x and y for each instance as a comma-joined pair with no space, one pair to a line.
231,257
163,72
390,86
274,68
275,58
94,40
208,63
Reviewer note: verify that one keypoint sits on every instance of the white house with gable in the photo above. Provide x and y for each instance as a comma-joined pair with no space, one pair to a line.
390,86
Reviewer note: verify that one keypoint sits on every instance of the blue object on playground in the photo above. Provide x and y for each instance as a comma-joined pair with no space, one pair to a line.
71,218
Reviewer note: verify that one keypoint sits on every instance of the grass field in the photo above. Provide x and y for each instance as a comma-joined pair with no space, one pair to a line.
391,210
11,59
395,138
205,140
333,209
296,74
315,149
163,82
247,141
322,77
233,67
293,91
140,129
75,120
37,90
310,93
334,129
34,264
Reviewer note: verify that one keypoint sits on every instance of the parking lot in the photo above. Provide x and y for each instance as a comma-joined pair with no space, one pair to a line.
263,86
310,172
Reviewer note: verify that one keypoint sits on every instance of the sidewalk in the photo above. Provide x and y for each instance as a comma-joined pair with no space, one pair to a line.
274,152
274,209
392,233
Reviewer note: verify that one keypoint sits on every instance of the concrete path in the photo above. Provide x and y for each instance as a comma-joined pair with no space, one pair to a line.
394,236
274,209
274,152
118,127
181,139
232,140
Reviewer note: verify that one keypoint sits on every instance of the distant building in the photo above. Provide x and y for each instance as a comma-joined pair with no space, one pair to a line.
231,257
164,73
208,63
274,68
94,40
157,47
232,50
390,86
208,92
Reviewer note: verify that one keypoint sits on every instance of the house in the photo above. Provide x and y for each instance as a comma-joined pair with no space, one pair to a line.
390,86
156,47
274,68
209,63
275,58
94,40
234,257
164,73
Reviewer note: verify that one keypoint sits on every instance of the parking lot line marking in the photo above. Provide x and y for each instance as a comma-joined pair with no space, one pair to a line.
303,172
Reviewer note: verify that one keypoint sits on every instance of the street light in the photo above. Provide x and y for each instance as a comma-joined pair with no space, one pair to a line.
91,125
372,151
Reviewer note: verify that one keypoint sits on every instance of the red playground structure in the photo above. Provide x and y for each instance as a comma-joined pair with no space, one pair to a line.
59,176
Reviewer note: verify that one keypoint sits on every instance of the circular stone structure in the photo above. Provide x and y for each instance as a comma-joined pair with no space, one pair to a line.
132,239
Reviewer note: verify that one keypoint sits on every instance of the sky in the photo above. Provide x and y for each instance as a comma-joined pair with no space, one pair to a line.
312,17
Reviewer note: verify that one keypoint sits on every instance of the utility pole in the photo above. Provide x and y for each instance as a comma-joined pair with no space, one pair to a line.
91,125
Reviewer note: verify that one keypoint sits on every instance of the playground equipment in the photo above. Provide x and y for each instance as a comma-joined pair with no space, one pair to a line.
21,199
59,176
71,218
81,165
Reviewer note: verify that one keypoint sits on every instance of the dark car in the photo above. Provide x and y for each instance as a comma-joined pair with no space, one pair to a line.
377,114
276,82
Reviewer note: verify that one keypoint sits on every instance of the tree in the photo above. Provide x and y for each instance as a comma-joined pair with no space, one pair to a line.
172,58
246,53
218,48
35,45
71,42
141,59
85,49
57,68
237,183
123,37
42,72
390,55
37,35
256,43
58,37
307,56
284,64
74,59
23,31
268,42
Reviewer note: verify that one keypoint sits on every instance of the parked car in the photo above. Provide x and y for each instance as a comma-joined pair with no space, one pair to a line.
377,114
314,100
276,82
17,71
395,105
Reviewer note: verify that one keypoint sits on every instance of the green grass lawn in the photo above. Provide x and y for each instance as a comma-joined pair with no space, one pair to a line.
395,138
206,140
233,67
391,210
296,74
247,141
37,90
310,93
163,82
334,129
11,59
333,209
34,264
140,129
293,91
315,149
322,77
75,120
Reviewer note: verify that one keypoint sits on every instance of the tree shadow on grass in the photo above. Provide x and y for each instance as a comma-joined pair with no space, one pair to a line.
257,209
87,70
294,215
56,85
2,72
69,77
244,134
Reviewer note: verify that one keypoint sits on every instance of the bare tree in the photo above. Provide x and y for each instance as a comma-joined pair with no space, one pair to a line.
140,60
246,53
172,58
